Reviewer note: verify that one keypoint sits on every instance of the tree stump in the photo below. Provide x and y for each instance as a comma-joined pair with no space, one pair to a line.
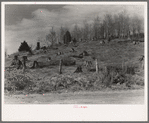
79,69
38,46
141,60
19,64
15,57
35,64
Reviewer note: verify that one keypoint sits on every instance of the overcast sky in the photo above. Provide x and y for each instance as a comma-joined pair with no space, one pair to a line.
28,22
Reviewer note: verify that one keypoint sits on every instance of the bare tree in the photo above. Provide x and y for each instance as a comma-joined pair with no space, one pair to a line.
108,24
62,32
76,32
102,30
86,30
51,36
138,25
96,27
121,25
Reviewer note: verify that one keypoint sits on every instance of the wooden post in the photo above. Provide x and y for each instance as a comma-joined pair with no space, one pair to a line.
123,66
28,87
143,64
24,62
106,69
14,90
60,67
96,65
112,77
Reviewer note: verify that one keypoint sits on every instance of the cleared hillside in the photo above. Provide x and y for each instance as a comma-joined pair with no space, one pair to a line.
120,58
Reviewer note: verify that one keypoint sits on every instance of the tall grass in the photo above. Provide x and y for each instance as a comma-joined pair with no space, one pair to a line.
116,74
107,76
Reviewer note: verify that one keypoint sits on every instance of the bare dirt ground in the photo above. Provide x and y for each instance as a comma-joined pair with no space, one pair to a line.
96,97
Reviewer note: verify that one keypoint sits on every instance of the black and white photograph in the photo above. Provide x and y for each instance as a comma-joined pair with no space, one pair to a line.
64,56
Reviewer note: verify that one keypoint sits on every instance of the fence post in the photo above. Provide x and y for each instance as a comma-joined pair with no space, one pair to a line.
123,66
106,69
24,62
60,67
143,64
96,65
14,90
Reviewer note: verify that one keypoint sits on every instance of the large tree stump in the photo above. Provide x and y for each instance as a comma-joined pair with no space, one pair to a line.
19,64
38,46
14,61
35,64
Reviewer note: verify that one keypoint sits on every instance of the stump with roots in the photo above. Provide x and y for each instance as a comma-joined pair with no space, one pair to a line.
15,60
35,64
15,57
79,69
19,64
141,60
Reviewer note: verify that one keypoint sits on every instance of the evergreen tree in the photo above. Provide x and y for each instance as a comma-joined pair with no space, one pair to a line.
67,37
24,47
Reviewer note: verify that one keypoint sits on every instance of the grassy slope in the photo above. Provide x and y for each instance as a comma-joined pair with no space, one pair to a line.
113,53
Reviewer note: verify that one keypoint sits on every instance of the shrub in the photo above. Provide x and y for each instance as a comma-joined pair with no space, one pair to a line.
116,74
19,82
43,87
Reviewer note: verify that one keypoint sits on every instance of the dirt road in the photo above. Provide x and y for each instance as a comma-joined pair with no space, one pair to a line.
97,97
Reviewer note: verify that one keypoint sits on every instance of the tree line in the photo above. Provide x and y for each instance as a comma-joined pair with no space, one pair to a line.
119,25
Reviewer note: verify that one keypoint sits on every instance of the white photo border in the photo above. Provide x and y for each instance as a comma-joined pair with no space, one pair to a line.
67,112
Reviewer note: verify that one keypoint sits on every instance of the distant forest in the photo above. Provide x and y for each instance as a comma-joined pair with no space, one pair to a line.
120,25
